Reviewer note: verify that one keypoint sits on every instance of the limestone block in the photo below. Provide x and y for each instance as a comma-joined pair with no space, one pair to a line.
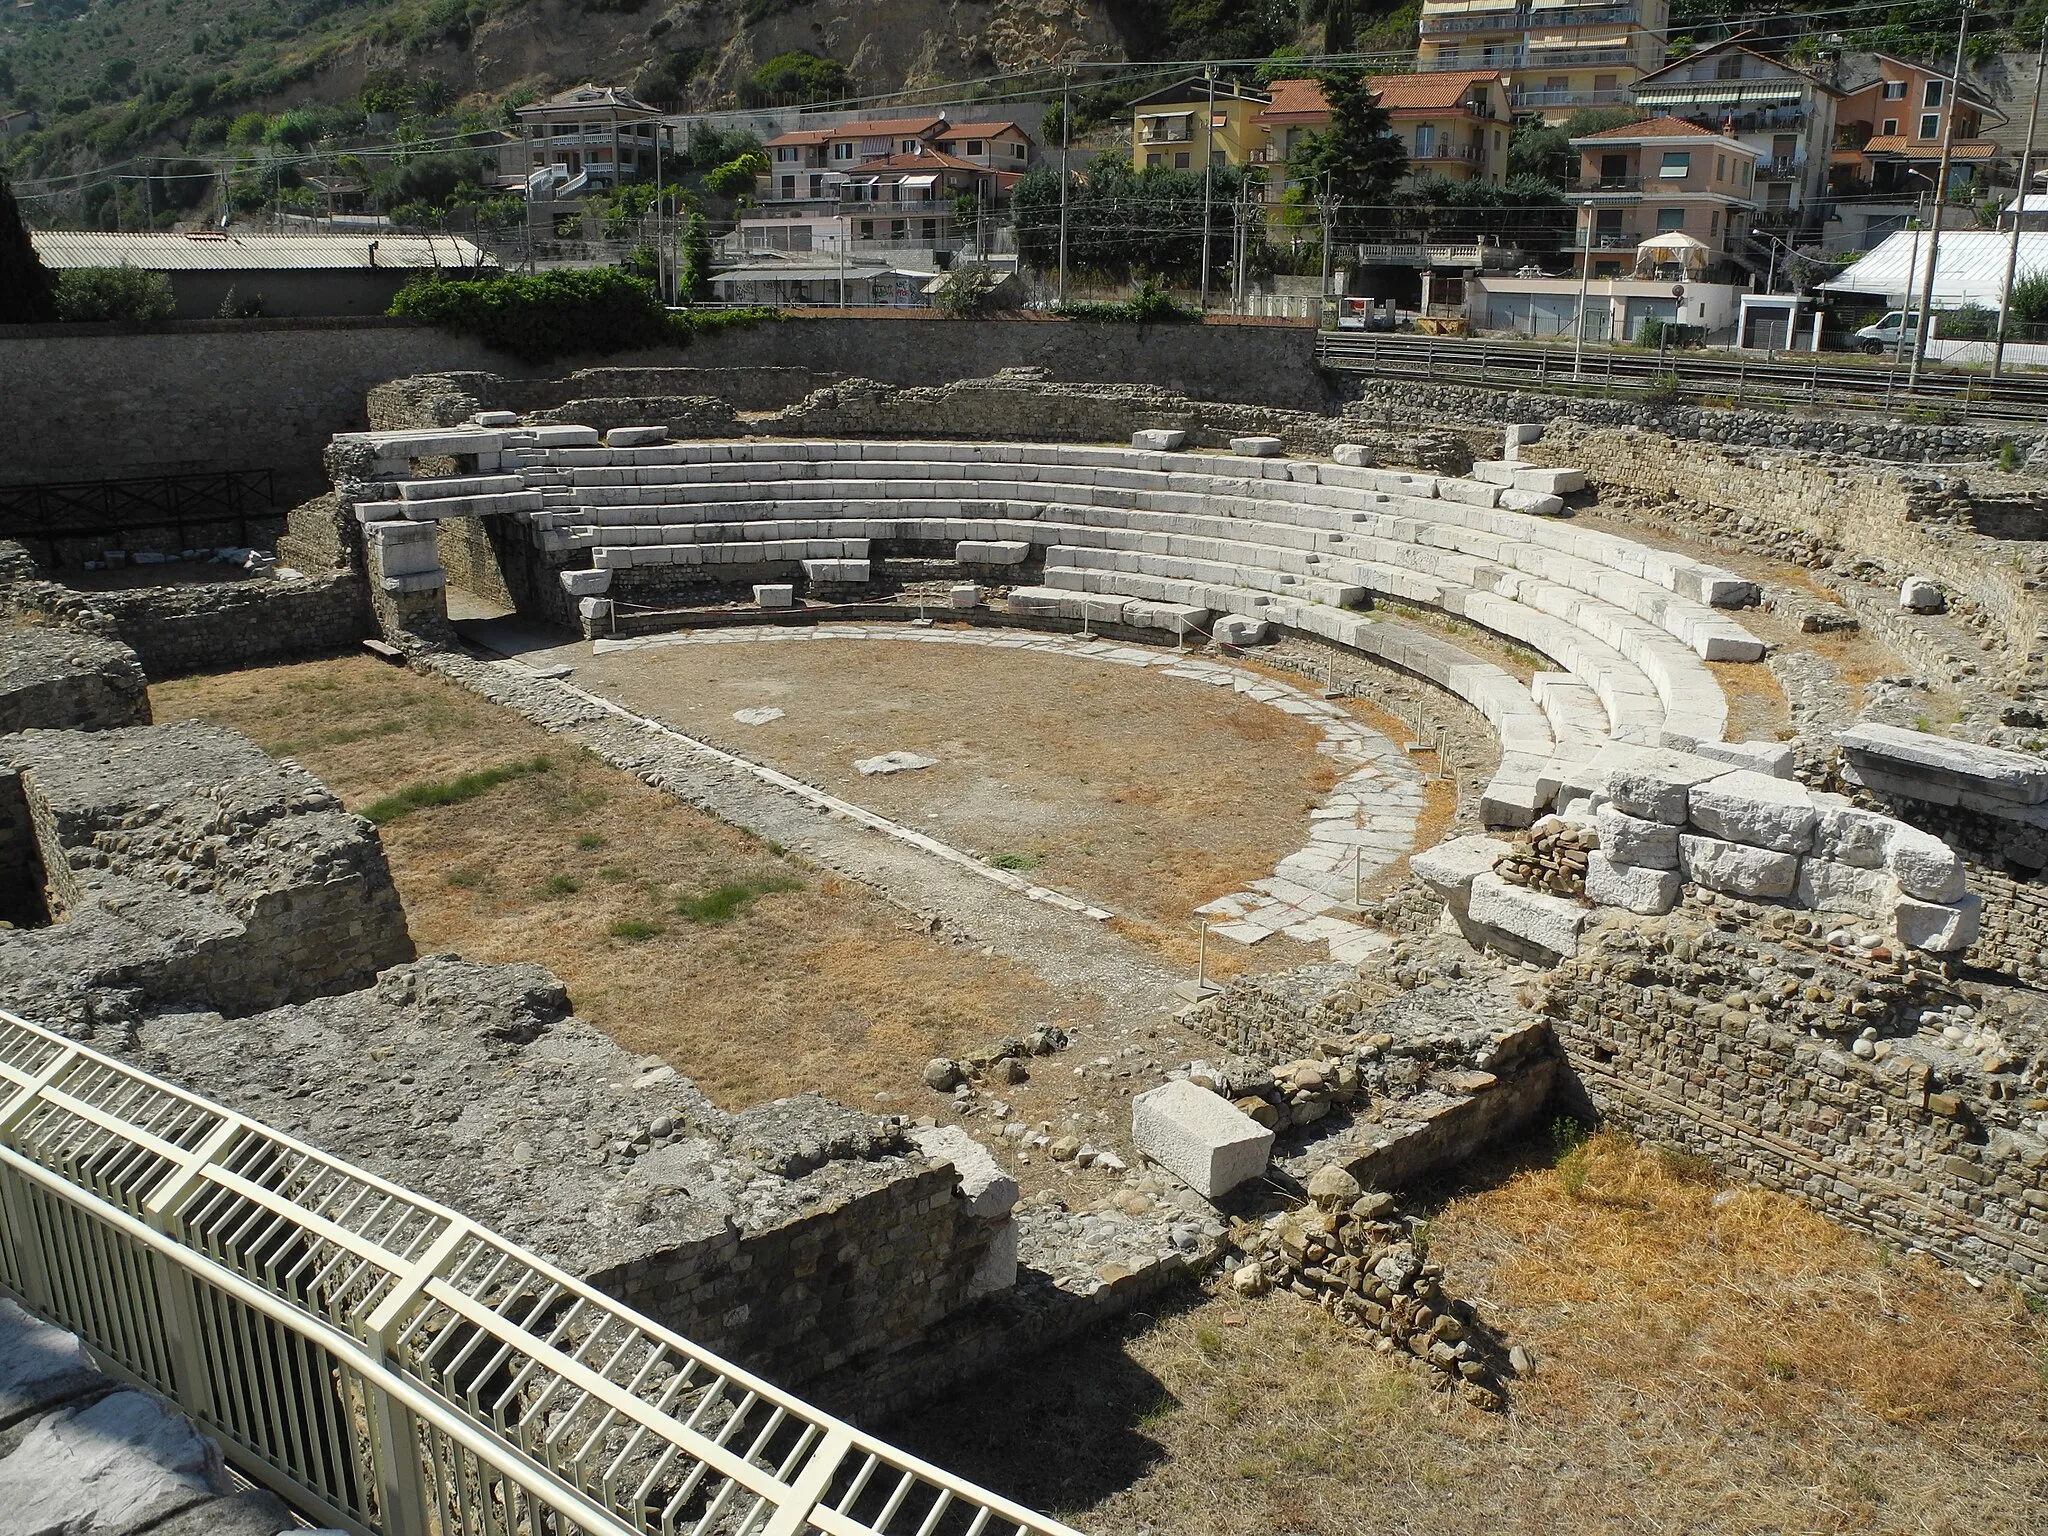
1039,602
1158,439
1535,503
1920,594
1630,839
991,552
496,418
1495,472
416,581
1257,447
1548,922
635,437
1632,887
1650,782
1925,866
1848,834
1941,768
997,1270
448,487
1518,434
1753,808
844,571
1714,587
1175,618
1449,868
1771,757
1353,455
1200,1137
1517,793
775,595
1549,482
988,1191
1737,868
963,594
1828,886
1472,493
595,610
1943,927
1236,629
586,583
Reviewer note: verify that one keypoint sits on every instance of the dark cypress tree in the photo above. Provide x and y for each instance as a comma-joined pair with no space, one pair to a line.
26,292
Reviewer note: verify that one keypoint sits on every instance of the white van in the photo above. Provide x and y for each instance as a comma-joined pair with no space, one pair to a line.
1884,335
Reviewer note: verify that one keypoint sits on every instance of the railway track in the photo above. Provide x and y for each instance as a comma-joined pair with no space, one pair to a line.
1970,397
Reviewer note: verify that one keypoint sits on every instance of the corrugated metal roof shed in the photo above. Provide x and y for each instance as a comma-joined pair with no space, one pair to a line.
237,252
1969,270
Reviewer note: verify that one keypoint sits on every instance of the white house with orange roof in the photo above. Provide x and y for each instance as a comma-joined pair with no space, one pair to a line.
1450,123
1661,177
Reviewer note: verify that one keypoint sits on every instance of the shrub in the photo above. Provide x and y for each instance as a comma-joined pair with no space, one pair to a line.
1149,305
1973,322
2029,305
973,290
795,79
735,178
547,315
125,293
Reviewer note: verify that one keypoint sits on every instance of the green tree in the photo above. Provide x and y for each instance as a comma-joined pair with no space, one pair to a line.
125,293
794,80
735,178
2029,304
696,273
1544,151
1358,160
26,292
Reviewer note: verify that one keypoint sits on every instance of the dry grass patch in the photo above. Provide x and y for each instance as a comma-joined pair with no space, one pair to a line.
678,935
1710,1361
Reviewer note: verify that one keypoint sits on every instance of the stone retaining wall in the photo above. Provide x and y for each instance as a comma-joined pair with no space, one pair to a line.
227,625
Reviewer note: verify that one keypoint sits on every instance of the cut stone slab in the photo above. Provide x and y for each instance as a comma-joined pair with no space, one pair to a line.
775,595
635,437
1627,839
845,571
1549,482
1773,758
1550,923
1650,782
1449,868
496,418
1926,867
894,762
1236,629
587,583
1257,447
594,609
1632,887
1754,808
1736,868
1849,834
1940,768
1535,503
1942,927
1828,886
1353,455
758,716
988,1191
963,594
991,552
1199,1137
1158,439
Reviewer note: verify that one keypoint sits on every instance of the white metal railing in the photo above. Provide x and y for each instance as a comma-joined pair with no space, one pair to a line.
385,1365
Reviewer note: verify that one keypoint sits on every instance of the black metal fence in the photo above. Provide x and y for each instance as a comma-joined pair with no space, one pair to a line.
57,521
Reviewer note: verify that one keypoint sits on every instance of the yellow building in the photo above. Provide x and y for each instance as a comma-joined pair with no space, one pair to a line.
1167,128
1563,54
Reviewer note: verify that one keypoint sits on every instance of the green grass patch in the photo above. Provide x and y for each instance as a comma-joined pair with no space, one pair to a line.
614,873
636,930
560,885
1017,861
588,841
723,903
464,878
432,793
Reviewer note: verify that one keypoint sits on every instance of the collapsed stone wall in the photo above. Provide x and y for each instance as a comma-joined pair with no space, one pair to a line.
1893,441
1885,1090
54,677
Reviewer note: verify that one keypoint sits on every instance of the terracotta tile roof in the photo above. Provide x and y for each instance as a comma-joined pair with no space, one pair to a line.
911,127
977,130
1929,149
1444,91
1653,128
930,160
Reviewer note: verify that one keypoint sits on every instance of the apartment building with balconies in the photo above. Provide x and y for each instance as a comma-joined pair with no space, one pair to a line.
1785,114
1168,131
580,140
1889,126
1562,54
1453,125
1661,177
920,184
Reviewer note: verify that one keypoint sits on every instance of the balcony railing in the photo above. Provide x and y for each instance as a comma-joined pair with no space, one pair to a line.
1629,183
1577,57
1185,135
1501,58
1484,21
1457,153
1544,97
1606,240
1789,168
882,208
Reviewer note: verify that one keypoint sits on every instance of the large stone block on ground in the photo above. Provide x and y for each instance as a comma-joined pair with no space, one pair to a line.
1630,839
1158,439
1237,629
987,1190
1449,868
1737,868
1768,757
591,583
1942,927
1632,887
1649,782
1754,808
1550,482
60,679
991,552
1257,447
1826,885
1936,768
1201,1138
1537,919
1353,455
1925,866
1849,834
775,594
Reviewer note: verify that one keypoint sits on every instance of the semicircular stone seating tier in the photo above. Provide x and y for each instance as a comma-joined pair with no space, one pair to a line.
1176,540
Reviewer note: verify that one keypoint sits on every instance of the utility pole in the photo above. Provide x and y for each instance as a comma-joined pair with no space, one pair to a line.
1327,206
1066,141
1948,144
1585,281
2019,208
1208,177
1912,271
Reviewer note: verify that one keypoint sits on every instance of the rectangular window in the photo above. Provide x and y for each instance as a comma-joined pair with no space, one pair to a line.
842,151
867,229
1895,90
909,146
1934,93
1677,165
1669,219
1180,160
1930,125
1889,127
1720,167
1714,223
1218,159
974,146
1728,67
1016,151
1425,140
931,229
789,186
785,156
1155,158
1606,84
899,230
817,186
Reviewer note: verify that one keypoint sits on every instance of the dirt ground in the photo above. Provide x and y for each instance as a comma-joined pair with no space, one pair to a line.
1150,795
1707,1361
822,987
